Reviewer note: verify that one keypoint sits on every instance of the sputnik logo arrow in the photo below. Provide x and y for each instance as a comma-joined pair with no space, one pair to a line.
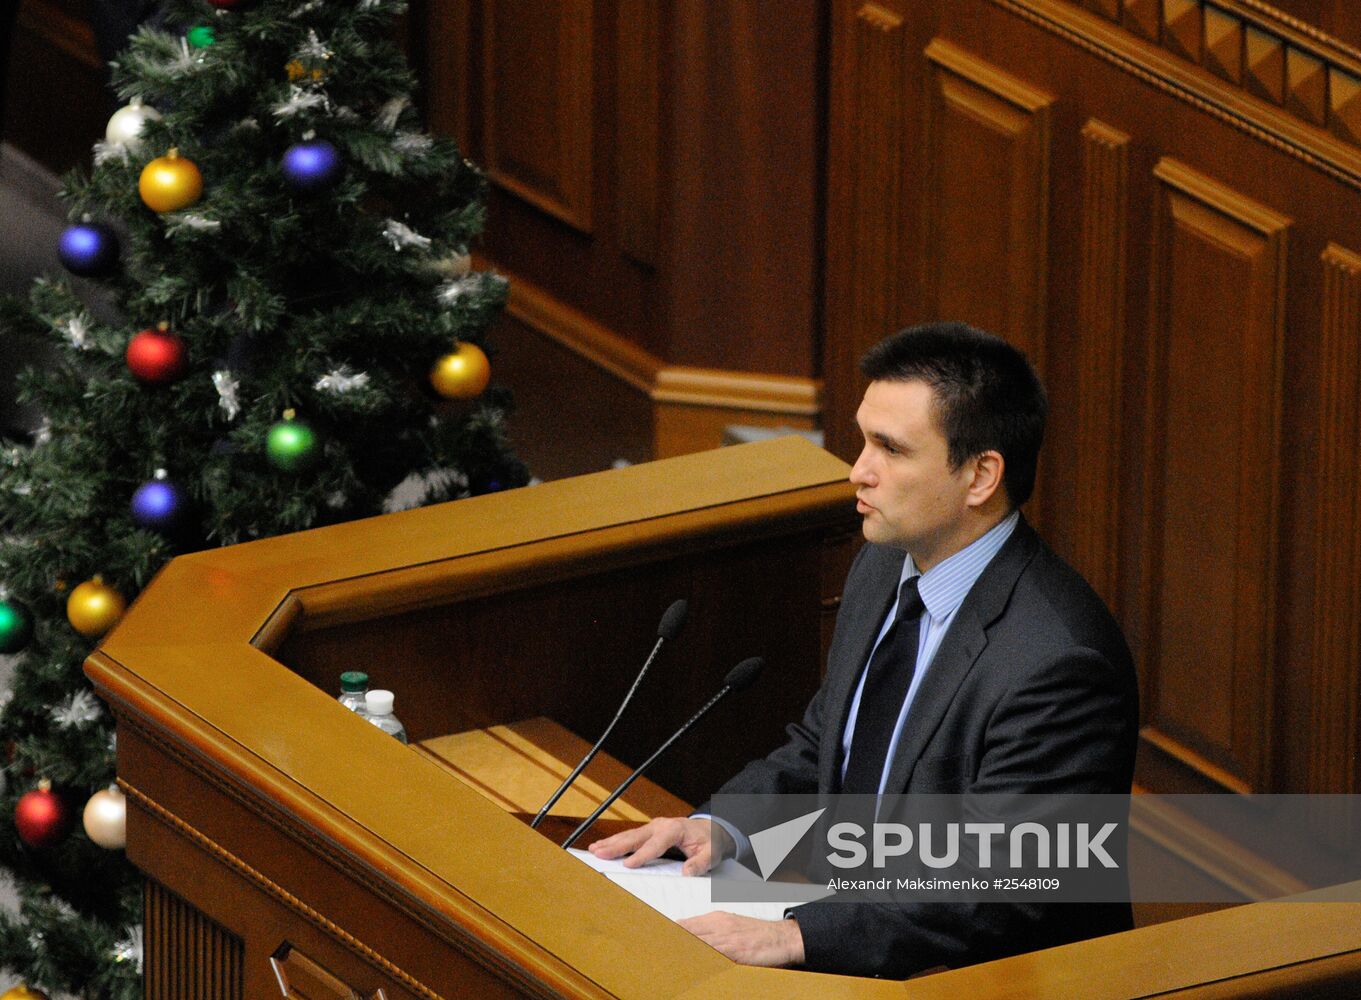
772,845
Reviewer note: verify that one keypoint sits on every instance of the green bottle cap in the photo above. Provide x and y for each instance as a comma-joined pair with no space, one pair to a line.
354,680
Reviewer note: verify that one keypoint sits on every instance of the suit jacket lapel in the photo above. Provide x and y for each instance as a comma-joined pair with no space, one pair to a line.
843,676
959,650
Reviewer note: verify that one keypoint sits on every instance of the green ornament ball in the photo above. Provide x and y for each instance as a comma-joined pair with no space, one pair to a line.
292,445
16,627
200,36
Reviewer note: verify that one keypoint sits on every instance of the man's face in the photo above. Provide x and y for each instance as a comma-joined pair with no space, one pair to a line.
907,493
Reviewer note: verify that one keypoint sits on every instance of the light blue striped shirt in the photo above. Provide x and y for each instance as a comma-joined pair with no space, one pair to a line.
943,588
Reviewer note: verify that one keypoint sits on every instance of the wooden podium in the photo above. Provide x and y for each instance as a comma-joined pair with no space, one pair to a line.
293,850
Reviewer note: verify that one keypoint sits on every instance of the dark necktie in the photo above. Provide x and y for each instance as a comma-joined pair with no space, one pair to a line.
886,683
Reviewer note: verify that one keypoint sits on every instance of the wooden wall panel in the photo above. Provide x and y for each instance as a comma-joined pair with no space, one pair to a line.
863,293
1101,314
638,129
1217,323
655,169
986,198
1333,734
538,127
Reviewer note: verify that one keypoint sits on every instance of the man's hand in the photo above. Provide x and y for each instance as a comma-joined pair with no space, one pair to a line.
748,940
692,836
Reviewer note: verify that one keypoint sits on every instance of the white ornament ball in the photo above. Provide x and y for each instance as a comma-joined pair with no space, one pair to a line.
125,127
106,818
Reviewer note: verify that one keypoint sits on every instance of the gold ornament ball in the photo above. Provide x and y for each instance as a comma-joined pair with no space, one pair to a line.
170,182
106,818
22,992
92,609
462,374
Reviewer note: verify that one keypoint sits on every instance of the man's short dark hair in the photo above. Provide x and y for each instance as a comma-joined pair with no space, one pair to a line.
987,395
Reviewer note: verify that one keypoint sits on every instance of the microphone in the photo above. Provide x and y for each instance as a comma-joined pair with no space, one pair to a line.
670,625
739,677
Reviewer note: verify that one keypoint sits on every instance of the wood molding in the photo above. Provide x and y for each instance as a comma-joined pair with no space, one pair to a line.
1337,550
1209,851
1102,287
1265,106
557,180
1274,15
977,112
72,35
639,369
581,334
1210,571
737,390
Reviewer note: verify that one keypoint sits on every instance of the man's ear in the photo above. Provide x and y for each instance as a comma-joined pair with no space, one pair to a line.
988,469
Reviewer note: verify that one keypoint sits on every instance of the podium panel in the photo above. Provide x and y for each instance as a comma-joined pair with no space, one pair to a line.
292,849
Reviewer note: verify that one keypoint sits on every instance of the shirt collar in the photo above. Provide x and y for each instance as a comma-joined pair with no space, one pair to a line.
944,586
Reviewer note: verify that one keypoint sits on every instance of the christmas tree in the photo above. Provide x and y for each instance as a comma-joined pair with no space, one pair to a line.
286,333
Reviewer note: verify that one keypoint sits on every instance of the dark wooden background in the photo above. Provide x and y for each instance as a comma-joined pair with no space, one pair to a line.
710,209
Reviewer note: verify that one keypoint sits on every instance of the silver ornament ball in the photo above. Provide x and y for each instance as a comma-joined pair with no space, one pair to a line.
125,127
106,818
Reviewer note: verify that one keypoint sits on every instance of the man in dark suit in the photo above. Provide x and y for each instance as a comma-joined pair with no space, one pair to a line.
967,658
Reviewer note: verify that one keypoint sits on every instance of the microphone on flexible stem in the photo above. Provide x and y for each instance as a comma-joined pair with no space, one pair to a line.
670,625
739,677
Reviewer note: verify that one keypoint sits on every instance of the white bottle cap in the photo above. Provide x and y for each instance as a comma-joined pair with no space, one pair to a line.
379,702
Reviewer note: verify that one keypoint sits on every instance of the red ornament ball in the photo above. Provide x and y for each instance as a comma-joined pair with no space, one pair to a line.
42,818
157,357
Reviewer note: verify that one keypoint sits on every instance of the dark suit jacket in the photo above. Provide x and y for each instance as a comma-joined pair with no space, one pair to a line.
1032,690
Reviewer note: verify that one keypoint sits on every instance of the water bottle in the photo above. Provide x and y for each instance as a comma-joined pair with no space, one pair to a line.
379,709
354,684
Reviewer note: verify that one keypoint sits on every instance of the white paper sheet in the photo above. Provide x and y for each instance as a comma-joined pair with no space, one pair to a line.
661,886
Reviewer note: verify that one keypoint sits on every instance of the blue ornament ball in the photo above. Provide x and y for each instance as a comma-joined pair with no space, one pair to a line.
485,484
88,249
312,166
157,504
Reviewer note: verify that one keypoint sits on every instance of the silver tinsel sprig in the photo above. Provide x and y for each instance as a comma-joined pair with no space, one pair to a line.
412,143
77,710
452,292
341,381
77,330
43,435
108,152
390,112
129,949
402,236
420,488
305,9
300,100
7,695
191,222
228,393
183,61
313,49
